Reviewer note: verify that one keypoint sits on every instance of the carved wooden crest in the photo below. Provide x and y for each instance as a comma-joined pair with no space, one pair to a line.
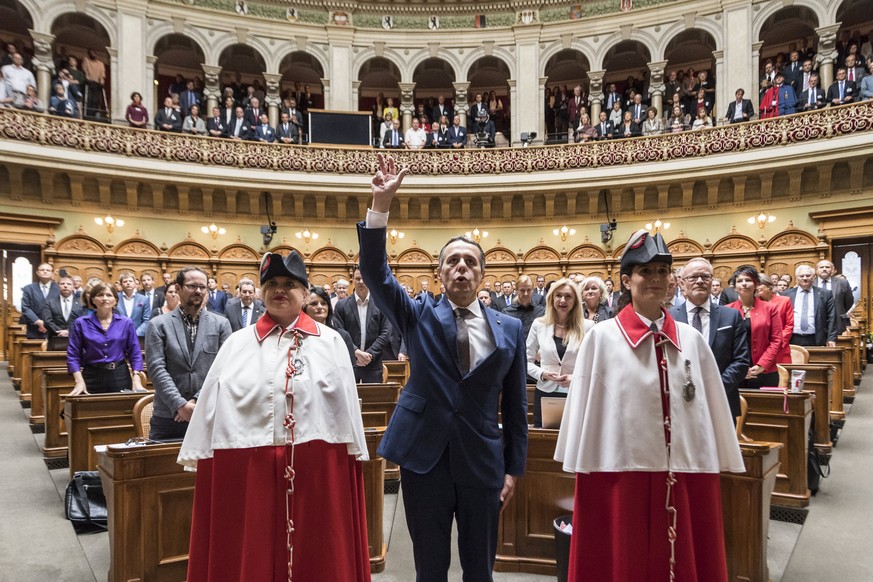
79,243
137,247
684,246
734,243
415,256
791,239
586,252
189,250
239,253
500,255
542,254
328,255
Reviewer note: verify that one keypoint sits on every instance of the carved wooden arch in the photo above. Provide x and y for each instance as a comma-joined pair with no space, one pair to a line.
80,243
239,252
329,254
415,256
542,254
779,268
685,246
735,243
500,255
791,239
189,250
136,247
283,249
586,251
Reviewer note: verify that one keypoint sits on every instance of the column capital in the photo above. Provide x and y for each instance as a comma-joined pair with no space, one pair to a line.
272,80
718,55
42,43
511,83
356,85
595,84
656,77
756,47
211,86
151,60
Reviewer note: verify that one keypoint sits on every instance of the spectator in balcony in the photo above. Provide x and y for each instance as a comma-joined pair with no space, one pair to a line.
702,120
477,106
842,91
376,113
95,80
295,114
246,101
60,105
438,137
6,96
72,91
29,101
814,97
387,125
576,106
177,86
263,132
193,124
240,128
638,109
787,101
611,97
867,82
136,115
167,118
287,132
254,111
616,115
768,79
740,109
604,128
628,128
703,101
484,127
189,98
425,124
457,133
689,90
854,69
215,126
806,73
671,87
76,73
389,108
420,112
228,112
415,137
394,137
678,121
793,72
653,124
769,101
585,131
442,108
495,107
16,76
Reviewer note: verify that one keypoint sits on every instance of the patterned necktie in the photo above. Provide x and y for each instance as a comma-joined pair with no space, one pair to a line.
45,290
696,322
66,308
461,314
804,306
245,316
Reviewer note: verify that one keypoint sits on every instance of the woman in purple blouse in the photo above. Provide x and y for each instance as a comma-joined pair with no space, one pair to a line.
137,115
101,345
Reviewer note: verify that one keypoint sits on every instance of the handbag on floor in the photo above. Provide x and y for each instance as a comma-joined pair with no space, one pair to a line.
84,503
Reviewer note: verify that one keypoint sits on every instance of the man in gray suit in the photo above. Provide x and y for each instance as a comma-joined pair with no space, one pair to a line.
180,348
244,310
843,298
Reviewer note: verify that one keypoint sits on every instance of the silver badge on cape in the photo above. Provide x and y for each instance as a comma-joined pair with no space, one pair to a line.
688,389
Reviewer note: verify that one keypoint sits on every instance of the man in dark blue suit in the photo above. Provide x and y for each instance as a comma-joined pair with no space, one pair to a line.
721,326
455,462
133,305
815,316
217,299
34,297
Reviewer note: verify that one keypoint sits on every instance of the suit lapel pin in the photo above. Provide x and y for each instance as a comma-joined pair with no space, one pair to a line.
688,389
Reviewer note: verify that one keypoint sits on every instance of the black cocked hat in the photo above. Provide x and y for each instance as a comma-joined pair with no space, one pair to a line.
643,247
276,265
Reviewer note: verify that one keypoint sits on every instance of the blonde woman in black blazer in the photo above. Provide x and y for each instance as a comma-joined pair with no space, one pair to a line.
553,343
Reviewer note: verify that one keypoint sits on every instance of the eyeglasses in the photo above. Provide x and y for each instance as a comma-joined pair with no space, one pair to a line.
194,287
693,278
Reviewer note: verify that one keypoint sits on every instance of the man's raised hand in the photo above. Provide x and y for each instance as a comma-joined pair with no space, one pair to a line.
385,183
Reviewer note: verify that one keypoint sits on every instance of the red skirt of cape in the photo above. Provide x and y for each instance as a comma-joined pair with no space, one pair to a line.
238,529
620,528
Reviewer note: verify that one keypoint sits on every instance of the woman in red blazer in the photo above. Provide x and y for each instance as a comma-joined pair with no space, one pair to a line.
786,311
764,326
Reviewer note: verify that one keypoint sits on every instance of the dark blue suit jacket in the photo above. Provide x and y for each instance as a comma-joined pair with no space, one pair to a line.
141,313
825,314
439,407
32,303
729,343
218,304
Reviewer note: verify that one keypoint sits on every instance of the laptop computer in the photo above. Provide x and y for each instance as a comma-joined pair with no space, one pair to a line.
553,411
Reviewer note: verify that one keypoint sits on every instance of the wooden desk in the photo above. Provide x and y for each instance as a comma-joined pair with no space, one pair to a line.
56,384
150,499
526,540
97,419
848,343
374,492
378,402
819,378
15,339
397,371
767,421
25,348
839,358
32,380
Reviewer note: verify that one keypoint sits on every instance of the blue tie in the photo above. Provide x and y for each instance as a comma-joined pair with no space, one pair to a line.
804,306
245,316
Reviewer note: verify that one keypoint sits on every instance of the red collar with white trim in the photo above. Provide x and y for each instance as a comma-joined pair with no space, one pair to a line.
266,325
635,330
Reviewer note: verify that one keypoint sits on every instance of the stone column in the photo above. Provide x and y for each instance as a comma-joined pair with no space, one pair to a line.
273,99
325,86
741,55
722,90
529,109
150,89
512,129
340,72
827,53
356,95
117,107
43,63
211,87
656,85
595,94
407,104
460,101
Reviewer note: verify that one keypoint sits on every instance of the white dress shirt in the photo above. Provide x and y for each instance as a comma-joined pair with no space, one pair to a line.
704,316
810,313
362,303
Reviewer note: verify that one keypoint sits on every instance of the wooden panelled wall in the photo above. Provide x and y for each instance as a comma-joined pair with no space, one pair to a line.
83,255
